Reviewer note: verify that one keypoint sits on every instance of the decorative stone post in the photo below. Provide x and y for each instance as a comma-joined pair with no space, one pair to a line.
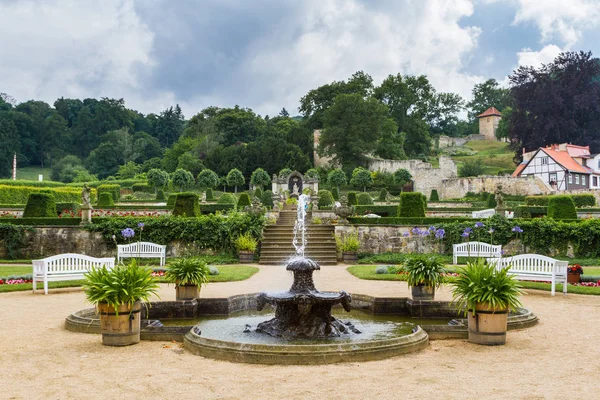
343,210
86,208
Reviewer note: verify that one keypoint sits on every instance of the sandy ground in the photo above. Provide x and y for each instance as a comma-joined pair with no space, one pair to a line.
559,358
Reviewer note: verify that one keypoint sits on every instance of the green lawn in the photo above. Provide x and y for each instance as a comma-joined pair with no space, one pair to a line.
31,173
495,156
367,272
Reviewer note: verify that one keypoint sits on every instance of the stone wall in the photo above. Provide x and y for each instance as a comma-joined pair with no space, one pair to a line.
425,177
376,239
448,141
456,188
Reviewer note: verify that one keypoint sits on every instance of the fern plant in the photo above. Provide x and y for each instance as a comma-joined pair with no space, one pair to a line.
481,282
188,271
124,284
246,242
424,271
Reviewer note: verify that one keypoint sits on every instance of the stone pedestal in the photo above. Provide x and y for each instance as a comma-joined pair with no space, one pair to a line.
86,216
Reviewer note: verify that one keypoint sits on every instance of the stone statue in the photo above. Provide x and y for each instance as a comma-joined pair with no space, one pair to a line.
295,189
85,196
499,199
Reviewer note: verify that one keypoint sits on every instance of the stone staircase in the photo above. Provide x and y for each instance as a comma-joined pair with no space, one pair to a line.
277,244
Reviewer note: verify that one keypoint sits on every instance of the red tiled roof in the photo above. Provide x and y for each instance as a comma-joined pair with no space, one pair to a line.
489,112
564,159
578,151
519,169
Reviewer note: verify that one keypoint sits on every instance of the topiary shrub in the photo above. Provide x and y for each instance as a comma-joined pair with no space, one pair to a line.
522,212
267,199
583,200
227,198
352,199
171,200
335,193
187,205
142,187
258,193
209,195
160,195
411,205
40,205
383,194
491,201
434,196
325,198
114,190
105,200
243,201
561,207
364,199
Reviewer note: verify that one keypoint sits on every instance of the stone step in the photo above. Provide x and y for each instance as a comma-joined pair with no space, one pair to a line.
283,261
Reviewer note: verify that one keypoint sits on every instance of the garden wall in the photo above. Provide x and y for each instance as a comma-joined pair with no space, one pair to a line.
382,239
456,188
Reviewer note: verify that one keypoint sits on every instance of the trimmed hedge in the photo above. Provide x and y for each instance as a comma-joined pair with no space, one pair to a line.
142,187
383,210
243,201
258,193
160,195
491,201
124,183
411,205
352,199
68,207
171,200
426,221
187,205
227,198
561,207
105,200
335,193
209,195
364,199
267,199
40,205
213,208
580,200
383,194
42,221
530,211
114,190
19,194
325,198
20,182
434,196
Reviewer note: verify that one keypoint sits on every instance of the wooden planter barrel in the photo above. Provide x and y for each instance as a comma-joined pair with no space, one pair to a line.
246,256
350,257
186,292
488,326
573,278
423,293
122,329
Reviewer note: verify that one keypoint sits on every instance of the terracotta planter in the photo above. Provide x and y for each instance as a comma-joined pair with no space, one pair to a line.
423,293
488,326
246,256
573,277
186,292
122,329
350,257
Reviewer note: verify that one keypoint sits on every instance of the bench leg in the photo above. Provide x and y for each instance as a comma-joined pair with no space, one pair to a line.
565,285
45,286
454,260
553,286
34,284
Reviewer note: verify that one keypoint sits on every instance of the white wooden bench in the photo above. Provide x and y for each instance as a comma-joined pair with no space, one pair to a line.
483,213
475,249
535,267
66,267
142,250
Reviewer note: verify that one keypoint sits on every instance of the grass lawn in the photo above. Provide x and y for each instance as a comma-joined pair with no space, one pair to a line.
367,272
227,273
31,173
495,156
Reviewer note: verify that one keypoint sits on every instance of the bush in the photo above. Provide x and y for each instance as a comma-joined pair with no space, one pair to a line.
335,193
10,194
68,207
411,205
227,198
491,201
142,187
580,200
209,195
352,199
258,193
114,190
561,207
364,199
40,205
382,210
171,200
160,195
243,201
325,198
522,212
383,194
434,196
471,168
349,243
267,199
105,200
213,208
187,205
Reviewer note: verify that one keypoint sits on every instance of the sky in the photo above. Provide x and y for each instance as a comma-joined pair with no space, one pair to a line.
267,54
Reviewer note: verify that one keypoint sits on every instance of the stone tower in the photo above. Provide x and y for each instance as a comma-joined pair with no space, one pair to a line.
488,123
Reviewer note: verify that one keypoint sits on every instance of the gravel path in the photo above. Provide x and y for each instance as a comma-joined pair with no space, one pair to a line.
559,358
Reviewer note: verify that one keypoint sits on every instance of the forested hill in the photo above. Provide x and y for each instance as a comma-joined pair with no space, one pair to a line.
96,138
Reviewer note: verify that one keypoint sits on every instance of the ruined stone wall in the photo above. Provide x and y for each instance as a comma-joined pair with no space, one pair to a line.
527,186
425,177
448,141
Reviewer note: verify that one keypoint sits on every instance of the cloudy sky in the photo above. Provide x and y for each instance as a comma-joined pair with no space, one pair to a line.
266,54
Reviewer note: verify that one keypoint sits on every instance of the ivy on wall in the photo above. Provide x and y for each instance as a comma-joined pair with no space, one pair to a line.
13,238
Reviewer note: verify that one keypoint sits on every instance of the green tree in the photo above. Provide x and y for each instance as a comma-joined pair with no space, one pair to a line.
402,177
485,95
157,178
353,126
361,178
169,126
235,178
260,178
129,170
337,177
182,179
190,163
207,178
503,131
417,140
391,144
473,167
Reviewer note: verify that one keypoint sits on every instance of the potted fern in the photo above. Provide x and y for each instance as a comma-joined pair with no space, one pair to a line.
486,294
424,276
188,274
349,246
246,246
118,294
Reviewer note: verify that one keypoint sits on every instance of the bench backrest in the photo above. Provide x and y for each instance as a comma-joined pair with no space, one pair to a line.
483,213
474,248
533,263
141,247
66,263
